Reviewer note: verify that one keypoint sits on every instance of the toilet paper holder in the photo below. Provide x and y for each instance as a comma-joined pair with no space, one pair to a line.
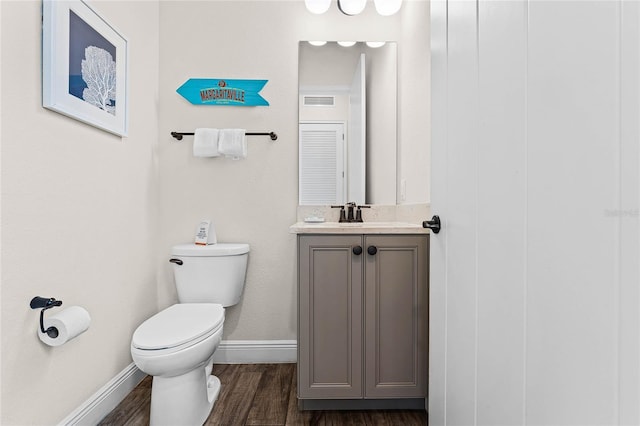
44,303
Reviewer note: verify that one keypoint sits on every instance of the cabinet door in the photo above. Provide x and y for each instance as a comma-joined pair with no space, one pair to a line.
396,316
329,317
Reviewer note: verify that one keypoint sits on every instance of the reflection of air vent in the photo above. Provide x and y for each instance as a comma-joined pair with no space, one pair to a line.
323,101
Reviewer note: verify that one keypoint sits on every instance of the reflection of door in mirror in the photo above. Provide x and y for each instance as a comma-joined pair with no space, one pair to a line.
357,146
322,163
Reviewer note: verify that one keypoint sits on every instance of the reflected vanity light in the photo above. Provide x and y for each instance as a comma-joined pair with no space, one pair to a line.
317,43
346,43
375,44
317,6
354,7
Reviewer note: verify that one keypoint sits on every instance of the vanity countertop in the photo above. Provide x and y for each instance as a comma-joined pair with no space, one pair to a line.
357,228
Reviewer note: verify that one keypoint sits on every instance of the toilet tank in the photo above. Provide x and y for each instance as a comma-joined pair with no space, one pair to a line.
210,274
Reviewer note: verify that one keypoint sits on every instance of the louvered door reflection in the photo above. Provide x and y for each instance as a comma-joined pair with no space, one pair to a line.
322,156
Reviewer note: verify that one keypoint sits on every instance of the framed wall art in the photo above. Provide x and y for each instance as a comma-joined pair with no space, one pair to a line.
84,66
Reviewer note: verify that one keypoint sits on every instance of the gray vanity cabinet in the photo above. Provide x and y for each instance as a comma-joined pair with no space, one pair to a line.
330,316
363,313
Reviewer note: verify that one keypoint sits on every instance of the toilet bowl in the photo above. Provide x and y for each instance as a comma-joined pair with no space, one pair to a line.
178,339
176,345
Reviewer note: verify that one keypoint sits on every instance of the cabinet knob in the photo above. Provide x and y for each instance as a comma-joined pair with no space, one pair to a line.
372,250
357,250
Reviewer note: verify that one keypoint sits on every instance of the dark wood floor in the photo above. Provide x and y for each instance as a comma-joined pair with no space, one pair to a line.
260,394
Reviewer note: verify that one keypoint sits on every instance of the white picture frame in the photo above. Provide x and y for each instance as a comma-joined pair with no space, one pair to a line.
84,66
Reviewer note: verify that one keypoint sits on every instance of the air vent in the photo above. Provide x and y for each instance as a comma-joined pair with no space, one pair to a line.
320,101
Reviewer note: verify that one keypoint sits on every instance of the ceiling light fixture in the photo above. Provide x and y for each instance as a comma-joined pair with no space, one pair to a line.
351,7
317,6
346,43
317,43
354,7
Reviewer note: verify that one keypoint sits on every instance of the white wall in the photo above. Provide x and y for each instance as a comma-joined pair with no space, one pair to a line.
79,218
254,200
414,102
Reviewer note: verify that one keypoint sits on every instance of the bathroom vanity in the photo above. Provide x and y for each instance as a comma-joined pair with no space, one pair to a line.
362,315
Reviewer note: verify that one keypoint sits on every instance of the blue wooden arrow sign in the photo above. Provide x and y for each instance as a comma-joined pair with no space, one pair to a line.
207,91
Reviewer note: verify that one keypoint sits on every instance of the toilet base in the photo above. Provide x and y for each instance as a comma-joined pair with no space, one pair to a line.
184,400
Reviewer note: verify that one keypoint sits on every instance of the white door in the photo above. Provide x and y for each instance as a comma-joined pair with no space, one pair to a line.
322,163
534,277
357,146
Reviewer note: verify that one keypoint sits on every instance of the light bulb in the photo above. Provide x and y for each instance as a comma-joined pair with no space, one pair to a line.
351,7
317,6
387,7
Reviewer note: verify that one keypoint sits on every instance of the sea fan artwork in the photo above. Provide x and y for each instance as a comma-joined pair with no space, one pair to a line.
84,69
99,74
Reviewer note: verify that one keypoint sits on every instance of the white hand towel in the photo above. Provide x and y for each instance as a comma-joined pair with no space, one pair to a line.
205,143
233,143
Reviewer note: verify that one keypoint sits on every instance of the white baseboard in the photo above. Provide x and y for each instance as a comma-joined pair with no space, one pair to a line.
256,351
106,398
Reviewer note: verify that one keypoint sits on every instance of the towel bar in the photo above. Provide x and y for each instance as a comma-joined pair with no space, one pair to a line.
179,135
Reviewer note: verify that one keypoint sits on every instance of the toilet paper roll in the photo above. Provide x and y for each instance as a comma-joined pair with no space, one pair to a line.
70,322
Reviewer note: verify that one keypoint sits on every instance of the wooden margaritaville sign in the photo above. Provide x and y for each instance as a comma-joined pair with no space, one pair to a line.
206,91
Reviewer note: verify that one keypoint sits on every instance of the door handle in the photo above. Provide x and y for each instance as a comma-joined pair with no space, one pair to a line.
433,224
372,250
176,261
357,250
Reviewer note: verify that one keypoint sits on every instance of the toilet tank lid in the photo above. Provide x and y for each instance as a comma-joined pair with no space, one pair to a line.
220,249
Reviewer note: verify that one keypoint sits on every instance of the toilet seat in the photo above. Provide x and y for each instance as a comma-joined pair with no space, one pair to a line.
179,326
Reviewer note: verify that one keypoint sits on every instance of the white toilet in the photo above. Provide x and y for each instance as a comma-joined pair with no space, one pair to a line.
176,345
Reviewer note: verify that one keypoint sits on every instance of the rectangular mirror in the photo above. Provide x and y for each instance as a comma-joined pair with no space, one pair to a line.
347,123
